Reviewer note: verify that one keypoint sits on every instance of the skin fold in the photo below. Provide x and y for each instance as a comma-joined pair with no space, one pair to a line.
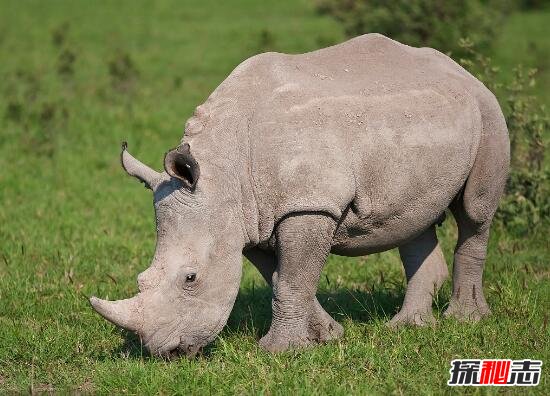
352,149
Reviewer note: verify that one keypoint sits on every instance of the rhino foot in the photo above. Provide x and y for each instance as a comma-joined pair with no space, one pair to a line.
412,318
470,308
322,327
280,341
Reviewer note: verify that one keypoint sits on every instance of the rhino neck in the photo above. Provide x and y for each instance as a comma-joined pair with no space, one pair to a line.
222,151
249,204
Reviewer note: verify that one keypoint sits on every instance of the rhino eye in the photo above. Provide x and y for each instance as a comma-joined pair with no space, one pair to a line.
190,277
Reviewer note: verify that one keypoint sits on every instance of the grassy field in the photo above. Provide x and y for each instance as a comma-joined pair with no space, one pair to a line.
79,77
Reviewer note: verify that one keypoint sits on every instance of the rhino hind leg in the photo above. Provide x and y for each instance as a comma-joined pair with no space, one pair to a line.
468,301
321,326
303,245
474,210
426,270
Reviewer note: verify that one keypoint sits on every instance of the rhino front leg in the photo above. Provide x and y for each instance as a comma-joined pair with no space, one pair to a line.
303,244
321,326
426,271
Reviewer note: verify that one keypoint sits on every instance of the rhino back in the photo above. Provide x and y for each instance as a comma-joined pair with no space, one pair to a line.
387,130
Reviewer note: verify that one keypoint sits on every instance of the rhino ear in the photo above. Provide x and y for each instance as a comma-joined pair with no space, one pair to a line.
179,163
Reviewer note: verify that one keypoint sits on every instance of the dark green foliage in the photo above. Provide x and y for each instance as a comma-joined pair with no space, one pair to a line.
123,71
66,57
65,62
526,204
59,34
14,111
431,23
533,4
266,41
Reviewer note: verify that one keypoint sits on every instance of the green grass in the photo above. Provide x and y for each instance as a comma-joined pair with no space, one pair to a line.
72,224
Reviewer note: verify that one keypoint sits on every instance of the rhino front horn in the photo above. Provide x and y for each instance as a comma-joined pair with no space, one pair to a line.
123,313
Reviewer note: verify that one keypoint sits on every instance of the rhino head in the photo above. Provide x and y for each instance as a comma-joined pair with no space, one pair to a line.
186,295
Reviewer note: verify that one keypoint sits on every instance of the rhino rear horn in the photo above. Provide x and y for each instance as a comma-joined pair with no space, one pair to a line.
181,164
150,177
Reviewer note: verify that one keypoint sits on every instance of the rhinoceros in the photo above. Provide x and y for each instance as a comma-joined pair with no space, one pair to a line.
352,149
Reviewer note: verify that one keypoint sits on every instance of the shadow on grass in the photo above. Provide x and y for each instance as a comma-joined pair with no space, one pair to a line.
132,348
252,311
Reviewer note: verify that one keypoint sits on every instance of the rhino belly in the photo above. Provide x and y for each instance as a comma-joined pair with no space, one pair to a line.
374,223
358,236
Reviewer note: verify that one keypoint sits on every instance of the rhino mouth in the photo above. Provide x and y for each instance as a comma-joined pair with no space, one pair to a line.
189,345
182,347
187,350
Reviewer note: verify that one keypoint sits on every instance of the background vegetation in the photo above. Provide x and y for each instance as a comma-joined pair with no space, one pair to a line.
79,77
437,24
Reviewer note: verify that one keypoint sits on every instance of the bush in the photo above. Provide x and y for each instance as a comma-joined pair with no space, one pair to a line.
532,4
526,203
436,24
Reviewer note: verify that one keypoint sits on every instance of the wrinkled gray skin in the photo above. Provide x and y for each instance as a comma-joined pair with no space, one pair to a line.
352,149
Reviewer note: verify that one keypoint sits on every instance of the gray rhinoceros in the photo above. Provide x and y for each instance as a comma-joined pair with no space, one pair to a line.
352,149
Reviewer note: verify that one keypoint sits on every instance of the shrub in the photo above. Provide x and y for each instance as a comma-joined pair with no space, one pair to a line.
532,4
437,24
